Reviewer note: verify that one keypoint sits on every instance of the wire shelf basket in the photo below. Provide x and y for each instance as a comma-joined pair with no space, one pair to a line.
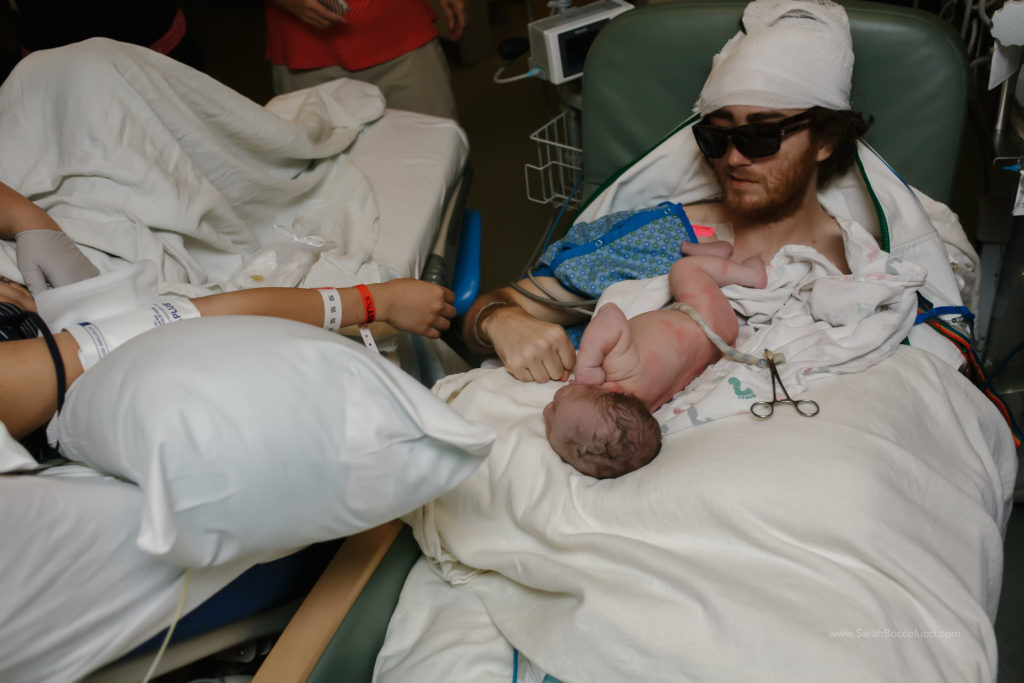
559,161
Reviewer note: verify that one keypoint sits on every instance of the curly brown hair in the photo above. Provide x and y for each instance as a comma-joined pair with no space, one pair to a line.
635,442
841,130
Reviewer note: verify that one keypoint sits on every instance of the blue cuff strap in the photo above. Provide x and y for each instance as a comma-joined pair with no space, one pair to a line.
944,310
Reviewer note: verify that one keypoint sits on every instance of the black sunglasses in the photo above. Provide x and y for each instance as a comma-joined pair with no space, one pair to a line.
752,140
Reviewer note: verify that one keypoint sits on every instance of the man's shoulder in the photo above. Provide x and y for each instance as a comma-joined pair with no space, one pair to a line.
706,211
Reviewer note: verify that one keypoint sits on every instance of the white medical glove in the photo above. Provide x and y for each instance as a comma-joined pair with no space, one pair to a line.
50,256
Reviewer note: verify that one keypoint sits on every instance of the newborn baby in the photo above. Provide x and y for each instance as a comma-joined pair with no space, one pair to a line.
601,423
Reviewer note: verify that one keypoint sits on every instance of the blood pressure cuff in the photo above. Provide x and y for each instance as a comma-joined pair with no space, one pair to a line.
626,245
97,339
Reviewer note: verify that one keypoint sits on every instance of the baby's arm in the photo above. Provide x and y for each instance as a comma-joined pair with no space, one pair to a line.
607,333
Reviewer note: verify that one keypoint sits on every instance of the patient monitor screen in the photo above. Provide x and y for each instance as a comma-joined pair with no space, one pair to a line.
574,45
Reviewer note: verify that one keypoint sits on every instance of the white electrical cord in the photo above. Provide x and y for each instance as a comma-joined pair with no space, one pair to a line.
170,629
529,74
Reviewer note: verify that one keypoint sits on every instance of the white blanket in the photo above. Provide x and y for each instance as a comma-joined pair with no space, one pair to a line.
138,156
860,545
820,320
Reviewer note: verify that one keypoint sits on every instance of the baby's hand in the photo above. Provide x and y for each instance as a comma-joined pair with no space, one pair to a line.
415,306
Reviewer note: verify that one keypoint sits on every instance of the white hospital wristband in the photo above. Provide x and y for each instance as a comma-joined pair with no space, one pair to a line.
332,308
97,339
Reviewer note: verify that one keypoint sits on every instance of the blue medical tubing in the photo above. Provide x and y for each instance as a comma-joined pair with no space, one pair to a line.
466,278
548,678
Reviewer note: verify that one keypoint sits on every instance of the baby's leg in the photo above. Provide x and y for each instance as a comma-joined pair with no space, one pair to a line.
713,259
697,280
719,248
605,330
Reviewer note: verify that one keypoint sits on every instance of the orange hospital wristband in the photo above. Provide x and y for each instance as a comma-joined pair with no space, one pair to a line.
371,311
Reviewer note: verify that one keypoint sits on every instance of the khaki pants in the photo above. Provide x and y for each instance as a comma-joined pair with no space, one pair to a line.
416,81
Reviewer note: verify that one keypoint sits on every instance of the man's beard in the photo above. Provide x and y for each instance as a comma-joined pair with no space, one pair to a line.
783,189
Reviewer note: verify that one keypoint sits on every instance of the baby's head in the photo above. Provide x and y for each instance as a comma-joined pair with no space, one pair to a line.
601,433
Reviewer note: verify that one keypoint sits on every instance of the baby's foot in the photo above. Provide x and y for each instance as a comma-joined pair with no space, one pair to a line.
759,275
719,248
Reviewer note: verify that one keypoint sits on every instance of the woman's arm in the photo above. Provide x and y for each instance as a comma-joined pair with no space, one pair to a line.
412,305
18,214
28,385
45,253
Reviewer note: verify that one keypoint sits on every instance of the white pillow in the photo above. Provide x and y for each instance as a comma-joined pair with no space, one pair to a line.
254,436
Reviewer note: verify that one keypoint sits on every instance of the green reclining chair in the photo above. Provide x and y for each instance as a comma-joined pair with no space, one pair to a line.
641,79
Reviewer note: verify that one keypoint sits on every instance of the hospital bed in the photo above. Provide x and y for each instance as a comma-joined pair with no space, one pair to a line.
74,557
642,76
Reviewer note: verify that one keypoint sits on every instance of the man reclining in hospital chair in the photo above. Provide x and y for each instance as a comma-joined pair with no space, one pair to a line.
769,168
776,129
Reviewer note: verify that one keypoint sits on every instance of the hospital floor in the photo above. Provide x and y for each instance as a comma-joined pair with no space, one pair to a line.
498,119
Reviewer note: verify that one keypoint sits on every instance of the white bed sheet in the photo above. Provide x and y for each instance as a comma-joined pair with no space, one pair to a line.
847,547
171,166
412,162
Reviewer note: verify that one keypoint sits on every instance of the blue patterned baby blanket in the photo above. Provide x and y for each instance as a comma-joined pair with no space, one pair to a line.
626,245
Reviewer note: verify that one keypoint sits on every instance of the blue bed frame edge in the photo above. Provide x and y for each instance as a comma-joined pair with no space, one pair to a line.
466,280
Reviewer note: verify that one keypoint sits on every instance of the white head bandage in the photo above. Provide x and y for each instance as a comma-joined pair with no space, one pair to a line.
792,54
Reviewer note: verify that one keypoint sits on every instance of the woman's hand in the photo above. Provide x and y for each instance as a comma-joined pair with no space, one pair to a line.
311,12
414,306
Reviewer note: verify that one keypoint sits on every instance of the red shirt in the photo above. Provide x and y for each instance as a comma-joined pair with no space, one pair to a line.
377,31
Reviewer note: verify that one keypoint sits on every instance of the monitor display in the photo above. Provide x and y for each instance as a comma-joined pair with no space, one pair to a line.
574,45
